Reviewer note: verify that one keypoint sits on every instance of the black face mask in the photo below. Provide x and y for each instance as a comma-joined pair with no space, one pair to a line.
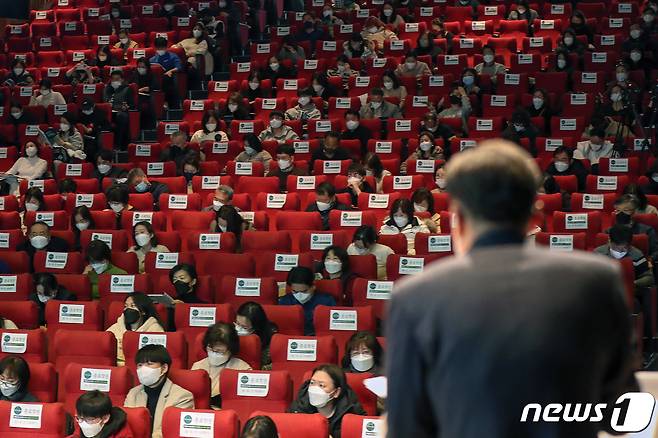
455,99
131,316
181,287
188,176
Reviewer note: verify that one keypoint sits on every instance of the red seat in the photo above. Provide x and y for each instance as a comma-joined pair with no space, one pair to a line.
277,264
436,244
193,319
173,341
59,262
232,264
606,184
255,241
236,291
313,351
195,381
191,220
23,313
316,242
298,425
562,241
57,220
350,220
30,344
15,287
77,379
78,284
53,423
353,426
94,201
372,293
255,184
117,240
93,348
224,423
43,382
400,265
215,242
288,319
157,219
288,220
139,421
189,202
583,202
620,166
342,323
588,222
73,315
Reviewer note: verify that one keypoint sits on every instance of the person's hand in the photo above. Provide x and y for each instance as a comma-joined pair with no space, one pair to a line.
87,270
476,89
461,91
169,73
124,107
440,104
177,302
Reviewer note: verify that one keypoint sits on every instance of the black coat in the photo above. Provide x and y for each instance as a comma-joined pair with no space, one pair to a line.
62,295
56,244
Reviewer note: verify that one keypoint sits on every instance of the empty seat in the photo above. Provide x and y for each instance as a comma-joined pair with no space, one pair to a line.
195,381
73,315
178,422
43,382
300,354
51,422
236,291
83,347
29,344
77,379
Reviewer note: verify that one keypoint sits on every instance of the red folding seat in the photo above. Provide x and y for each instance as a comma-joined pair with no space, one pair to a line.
232,264
577,104
30,344
161,263
165,129
10,220
68,28
551,29
518,29
237,291
59,262
397,242
94,348
223,424
43,29
77,48
484,127
195,381
567,126
330,168
144,152
562,241
358,85
189,202
94,201
552,82
255,169
47,15
629,167
627,10
458,13
43,381
193,319
104,220
276,202
398,266
248,391
52,420
590,82
599,61
300,354
314,242
23,313
139,421
320,127
587,222
374,201
159,169
303,185
437,85
277,265
583,202
50,59
191,220
73,315
372,293
78,284
557,11
497,105
19,45
537,44
327,50
405,185
222,89
15,287
74,170
298,220
349,220
478,28
289,320
116,287
525,63
157,219
193,110
452,64
77,379
343,322
215,242
47,186
174,342
606,184
255,241
89,91
176,184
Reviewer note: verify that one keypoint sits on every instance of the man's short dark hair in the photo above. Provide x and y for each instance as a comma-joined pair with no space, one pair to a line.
160,42
325,188
223,333
621,235
98,250
67,185
285,149
353,113
153,353
495,183
105,155
333,134
597,131
563,150
277,114
93,404
117,72
377,92
628,199
301,275
117,193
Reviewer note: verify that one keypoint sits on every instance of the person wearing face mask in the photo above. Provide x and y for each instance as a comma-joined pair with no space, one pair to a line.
105,168
209,129
375,33
171,64
427,150
622,79
322,88
30,166
93,122
459,104
563,63
139,182
156,391
253,148
81,220
285,157
643,202
235,108
625,208
65,187
301,283
139,315
254,89
636,62
185,281
14,380
178,149
328,394
291,51
67,143
472,3
412,67
489,66
523,11
648,23
34,200
145,241
335,265
40,239
97,418
330,150
222,346
363,354
46,289
103,58
440,179
305,108
223,196
169,11
325,201
228,220
393,88
375,168
311,33
197,45
117,197
376,107
250,319
570,44
146,81
356,183
120,96
364,242
616,116
99,257
540,106
17,116
401,220
82,73
276,70
358,47
563,164
276,131
425,45
520,127
580,27
45,96
637,39
125,43
594,149
17,75
189,168
390,17
424,203
620,246
354,130
342,70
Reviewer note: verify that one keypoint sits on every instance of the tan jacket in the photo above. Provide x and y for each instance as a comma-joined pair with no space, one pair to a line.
118,329
215,372
192,48
54,98
171,395
141,254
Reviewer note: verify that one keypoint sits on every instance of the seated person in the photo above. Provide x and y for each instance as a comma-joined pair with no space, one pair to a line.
18,76
364,242
363,354
223,196
145,241
330,149
625,208
402,221
521,127
120,96
328,394
564,165
105,168
155,391
412,67
424,203
45,96
375,168
440,179
139,315
354,130
185,280
68,143
523,11
277,131
171,64
620,246
7,324
28,167
117,200
260,426
305,108
221,344
302,293
251,319
96,417
14,380
431,124
356,183
177,150
489,66
325,201
335,265
228,220
643,202
460,106
378,108
46,289
139,182
40,239
99,257
254,152
235,108
594,149
34,200
427,150
285,156
67,186
375,33
209,129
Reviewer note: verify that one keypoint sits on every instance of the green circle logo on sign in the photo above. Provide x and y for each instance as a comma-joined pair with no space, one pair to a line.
241,283
370,426
65,309
6,338
195,312
17,410
145,340
293,346
87,374
244,379
187,419
334,315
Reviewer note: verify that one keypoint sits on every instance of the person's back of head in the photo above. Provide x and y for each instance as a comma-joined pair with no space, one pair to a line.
260,426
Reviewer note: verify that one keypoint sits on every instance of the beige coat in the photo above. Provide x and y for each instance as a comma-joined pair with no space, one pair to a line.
192,48
9,324
171,395
214,372
141,254
118,329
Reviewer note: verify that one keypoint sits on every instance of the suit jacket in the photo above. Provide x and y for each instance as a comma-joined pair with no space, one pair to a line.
56,244
171,395
478,337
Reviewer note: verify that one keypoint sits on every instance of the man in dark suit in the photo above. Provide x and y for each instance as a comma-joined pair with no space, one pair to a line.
477,337
40,239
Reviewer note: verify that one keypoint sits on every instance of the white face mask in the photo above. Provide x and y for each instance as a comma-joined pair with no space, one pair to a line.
352,124
468,80
148,376
537,102
143,239
116,206
518,127
648,18
654,177
332,266
45,92
18,71
104,168
561,63
353,180
362,362
615,97
222,228
232,107
636,56
217,359
360,251
168,7
99,268
64,127
274,66
318,88
216,205
419,208
304,100
82,225
197,33
8,389
327,13
561,166
373,29
124,41
276,123
115,14
302,297
88,112
441,183
401,221
211,126
621,77
284,164
317,397
410,65
249,150
39,242
618,254
141,70
375,105
31,151
254,85
488,58
635,34
116,84
425,146
388,12
161,52
242,331
44,298
91,430
323,206
16,114
31,206
222,3
568,41
388,85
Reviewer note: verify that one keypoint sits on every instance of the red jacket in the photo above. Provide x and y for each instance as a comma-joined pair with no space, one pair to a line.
117,427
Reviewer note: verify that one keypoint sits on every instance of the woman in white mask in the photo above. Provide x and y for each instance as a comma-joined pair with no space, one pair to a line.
569,43
392,87
46,289
440,179
209,129
375,33
253,148
68,143
197,44
412,67
222,345
424,203
356,183
426,150
335,265
156,391
14,379
363,354
228,220
402,221
99,257
97,418
34,200
81,220
328,394
364,242
250,319
390,17
145,242
30,166
45,96
117,201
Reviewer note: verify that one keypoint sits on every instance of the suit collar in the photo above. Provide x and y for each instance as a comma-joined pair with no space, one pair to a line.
502,236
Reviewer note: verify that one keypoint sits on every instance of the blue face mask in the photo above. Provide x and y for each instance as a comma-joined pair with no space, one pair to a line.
141,187
468,80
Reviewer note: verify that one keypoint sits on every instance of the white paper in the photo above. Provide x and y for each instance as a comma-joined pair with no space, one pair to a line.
253,384
166,260
103,237
152,339
202,316
411,265
343,320
304,350
576,221
93,378
122,284
197,424
561,242
377,385
372,428
71,313
247,287
14,343
350,219
320,241
442,243
379,290
56,260
378,200
8,283
210,241
26,416
276,200
593,202
285,262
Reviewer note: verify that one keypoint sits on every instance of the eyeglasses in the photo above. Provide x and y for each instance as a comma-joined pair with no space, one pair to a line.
88,420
